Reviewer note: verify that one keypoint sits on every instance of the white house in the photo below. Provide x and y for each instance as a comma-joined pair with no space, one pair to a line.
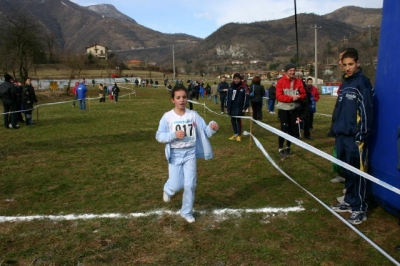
98,50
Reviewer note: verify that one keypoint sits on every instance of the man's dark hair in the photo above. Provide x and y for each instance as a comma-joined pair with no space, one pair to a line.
309,79
178,87
349,49
350,54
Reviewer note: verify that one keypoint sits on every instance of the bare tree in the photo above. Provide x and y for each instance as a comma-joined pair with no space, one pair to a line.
21,41
75,63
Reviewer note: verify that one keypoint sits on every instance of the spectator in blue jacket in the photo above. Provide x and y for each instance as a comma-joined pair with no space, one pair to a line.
81,91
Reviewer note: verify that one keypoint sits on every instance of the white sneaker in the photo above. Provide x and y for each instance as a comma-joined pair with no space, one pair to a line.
166,197
189,219
340,199
338,179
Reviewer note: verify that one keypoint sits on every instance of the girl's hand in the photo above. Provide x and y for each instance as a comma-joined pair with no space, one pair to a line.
214,126
180,134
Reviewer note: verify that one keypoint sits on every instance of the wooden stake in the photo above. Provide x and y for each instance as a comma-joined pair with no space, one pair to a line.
251,132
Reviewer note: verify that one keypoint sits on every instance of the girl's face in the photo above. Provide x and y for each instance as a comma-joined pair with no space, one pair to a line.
180,100
236,80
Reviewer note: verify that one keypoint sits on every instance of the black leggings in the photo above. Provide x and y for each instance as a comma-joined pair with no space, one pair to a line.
288,125
236,125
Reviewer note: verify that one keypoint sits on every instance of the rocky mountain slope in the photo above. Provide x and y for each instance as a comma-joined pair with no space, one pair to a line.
73,27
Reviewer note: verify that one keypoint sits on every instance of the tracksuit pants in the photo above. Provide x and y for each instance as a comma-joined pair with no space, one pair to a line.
348,151
182,170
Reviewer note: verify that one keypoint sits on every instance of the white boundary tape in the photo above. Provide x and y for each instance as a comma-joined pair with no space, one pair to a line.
54,103
329,158
258,144
313,150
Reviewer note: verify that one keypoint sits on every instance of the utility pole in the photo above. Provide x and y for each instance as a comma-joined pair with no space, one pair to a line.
173,60
370,39
316,58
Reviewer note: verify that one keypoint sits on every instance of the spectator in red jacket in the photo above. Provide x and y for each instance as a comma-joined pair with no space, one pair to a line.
289,94
74,92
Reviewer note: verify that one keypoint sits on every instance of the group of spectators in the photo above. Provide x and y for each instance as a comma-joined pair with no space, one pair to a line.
197,89
252,96
296,103
17,99
80,90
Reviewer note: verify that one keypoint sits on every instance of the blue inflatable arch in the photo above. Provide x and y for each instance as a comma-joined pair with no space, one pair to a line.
385,142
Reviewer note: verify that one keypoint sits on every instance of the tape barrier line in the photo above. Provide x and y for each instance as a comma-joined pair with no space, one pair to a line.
323,155
62,102
326,156
315,151
259,145
206,107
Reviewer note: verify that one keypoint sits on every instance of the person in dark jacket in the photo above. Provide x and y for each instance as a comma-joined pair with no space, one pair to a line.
18,104
237,101
115,92
28,100
257,92
271,98
352,129
9,98
222,90
191,93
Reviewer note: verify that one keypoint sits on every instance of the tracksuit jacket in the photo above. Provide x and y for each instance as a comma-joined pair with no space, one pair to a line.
237,99
354,114
203,132
81,91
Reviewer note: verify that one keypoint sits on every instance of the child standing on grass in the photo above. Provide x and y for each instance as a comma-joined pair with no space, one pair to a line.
236,102
186,137
352,126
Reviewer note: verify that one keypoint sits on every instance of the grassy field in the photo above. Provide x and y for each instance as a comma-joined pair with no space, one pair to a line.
106,160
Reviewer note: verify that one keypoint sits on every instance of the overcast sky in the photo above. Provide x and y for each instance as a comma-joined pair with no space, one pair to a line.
201,18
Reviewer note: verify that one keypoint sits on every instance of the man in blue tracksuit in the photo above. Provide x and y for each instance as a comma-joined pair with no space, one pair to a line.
352,129
81,95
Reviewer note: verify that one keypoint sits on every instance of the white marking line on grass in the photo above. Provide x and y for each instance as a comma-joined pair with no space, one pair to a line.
69,217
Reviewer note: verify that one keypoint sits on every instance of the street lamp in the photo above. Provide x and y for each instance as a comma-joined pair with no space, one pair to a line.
316,60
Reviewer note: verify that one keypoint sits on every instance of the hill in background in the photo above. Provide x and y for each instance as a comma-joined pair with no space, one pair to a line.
72,27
